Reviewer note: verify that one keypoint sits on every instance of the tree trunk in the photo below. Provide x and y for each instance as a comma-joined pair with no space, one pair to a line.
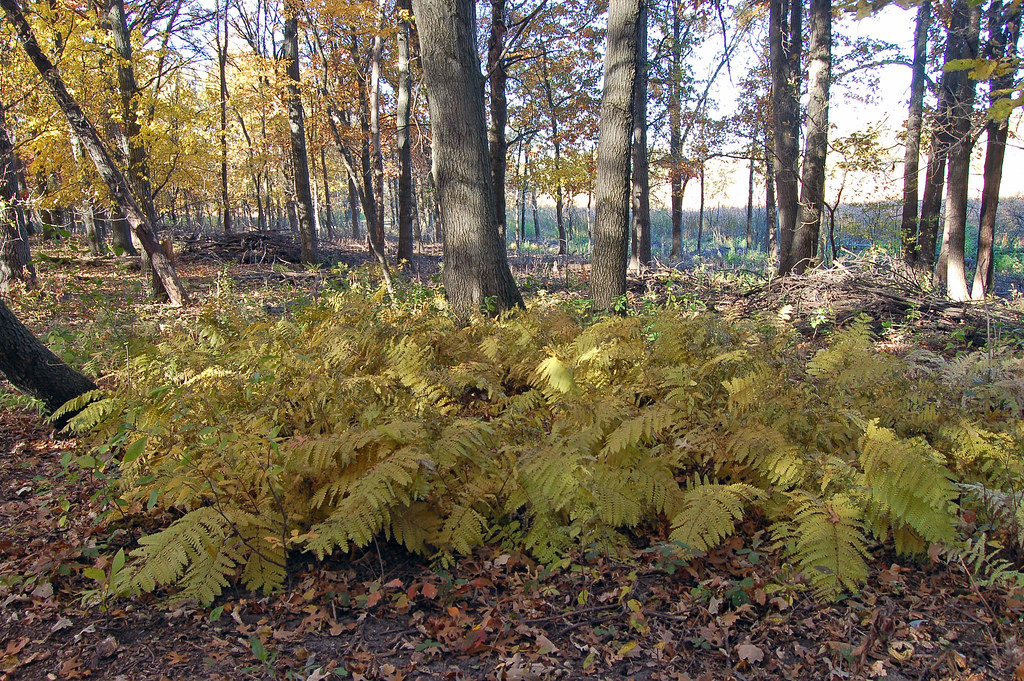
222,61
812,182
912,154
675,144
499,111
405,188
329,222
640,167
611,227
1004,33
962,88
700,212
476,273
297,132
771,226
115,181
32,368
15,255
353,207
785,44
377,156
750,198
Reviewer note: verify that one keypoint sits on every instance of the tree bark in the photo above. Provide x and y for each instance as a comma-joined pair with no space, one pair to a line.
771,225
377,155
222,61
32,368
812,181
114,179
297,132
640,167
912,153
497,141
15,255
675,144
1004,33
963,90
405,187
785,44
476,273
611,227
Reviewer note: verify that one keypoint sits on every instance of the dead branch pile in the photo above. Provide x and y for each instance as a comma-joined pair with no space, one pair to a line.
247,248
881,287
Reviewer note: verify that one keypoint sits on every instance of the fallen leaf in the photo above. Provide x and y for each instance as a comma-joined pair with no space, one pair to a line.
429,591
107,647
749,653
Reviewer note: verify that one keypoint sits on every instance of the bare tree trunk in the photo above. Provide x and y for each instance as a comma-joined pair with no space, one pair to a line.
476,273
812,182
911,158
771,226
750,197
611,226
375,148
222,61
640,167
353,207
329,222
499,111
297,128
31,367
405,188
1004,33
963,89
116,182
675,139
785,42
15,256
700,212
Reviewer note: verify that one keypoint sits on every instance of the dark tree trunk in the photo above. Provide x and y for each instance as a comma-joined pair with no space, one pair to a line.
611,227
499,111
222,61
353,207
812,181
785,44
963,90
771,226
15,255
700,212
675,144
297,129
640,168
1004,33
476,273
32,368
911,158
405,188
329,222
115,181
750,198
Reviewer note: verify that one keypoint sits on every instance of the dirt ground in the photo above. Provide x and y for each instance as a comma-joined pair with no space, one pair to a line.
387,615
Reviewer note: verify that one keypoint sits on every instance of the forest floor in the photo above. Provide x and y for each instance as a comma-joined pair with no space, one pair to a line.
384,614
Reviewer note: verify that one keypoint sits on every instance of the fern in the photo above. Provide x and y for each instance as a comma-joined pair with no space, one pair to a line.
826,538
707,513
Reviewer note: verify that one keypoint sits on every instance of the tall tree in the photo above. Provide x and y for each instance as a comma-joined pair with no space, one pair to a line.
297,130
222,63
675,133
405,186
1004,32
611,226
812,181
15,256
498,79
476,273
962,88
911,159
90,139
785,31
640,167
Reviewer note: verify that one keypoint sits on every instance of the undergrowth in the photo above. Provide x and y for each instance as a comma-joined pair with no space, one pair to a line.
546,432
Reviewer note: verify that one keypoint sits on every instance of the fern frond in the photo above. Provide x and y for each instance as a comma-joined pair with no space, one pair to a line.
707,512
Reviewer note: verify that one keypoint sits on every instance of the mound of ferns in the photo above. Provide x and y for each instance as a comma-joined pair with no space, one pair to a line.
536,431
